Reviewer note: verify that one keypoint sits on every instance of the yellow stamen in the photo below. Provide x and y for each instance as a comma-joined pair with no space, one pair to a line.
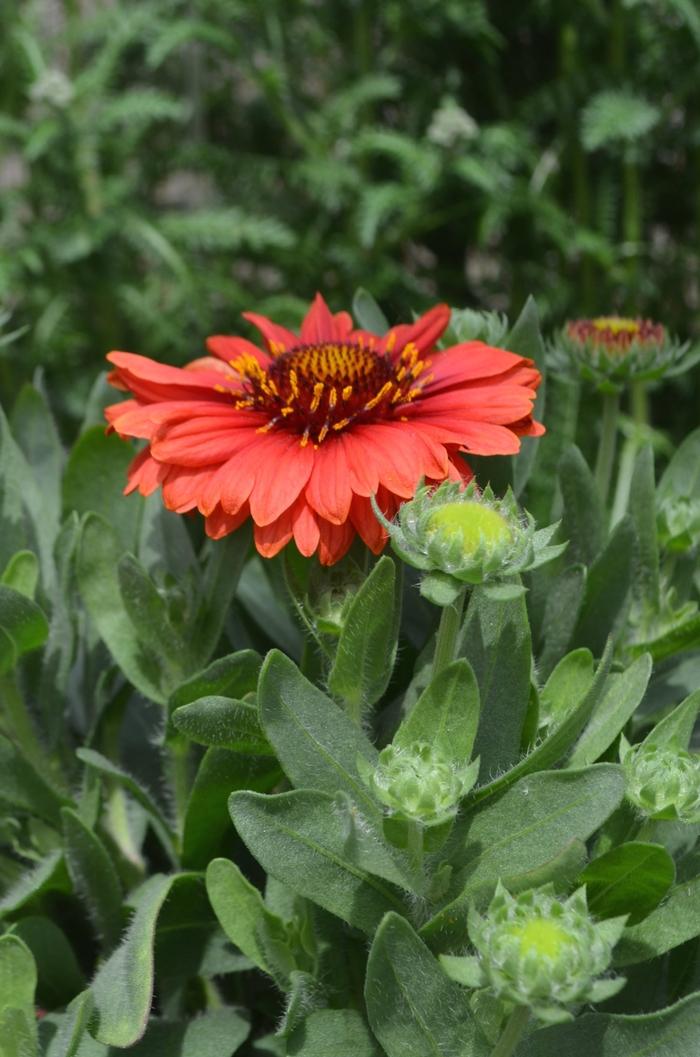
385,389
318,393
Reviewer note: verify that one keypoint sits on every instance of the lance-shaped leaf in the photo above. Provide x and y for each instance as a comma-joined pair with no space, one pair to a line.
671,1032
561,610
18,1026
24,787
674,922
446,715
414,1009
676,729
530,824
583,521
224,722
232,676
366,650
607,587
302,840
224,563
642,508
623,694
333,1033
99,554
566,685
631,879
94,482
149,617
22,573
93,875
23,624
123,987
315,741
59,977
248,923
496,642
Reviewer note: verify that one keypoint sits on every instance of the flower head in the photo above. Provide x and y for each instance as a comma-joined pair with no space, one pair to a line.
460,534
299,432
613,350
537,950
662,781
418,783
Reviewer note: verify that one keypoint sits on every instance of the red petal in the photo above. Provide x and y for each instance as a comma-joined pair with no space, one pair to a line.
328,490
281,467
144,474
321,325
278,338
270,539
229,347
183,486
305,527
370,530
334,541
423,333
205,441
219,523
469,361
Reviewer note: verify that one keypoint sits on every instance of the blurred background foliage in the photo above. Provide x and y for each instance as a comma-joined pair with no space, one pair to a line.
165,164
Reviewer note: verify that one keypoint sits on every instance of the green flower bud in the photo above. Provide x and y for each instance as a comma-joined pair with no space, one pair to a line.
420,784
679,523
662,781
611,351
539,951
459,535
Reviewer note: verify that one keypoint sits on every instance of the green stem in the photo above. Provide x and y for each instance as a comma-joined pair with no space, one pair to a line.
447,633
606,445
178,770
414,845
512,1033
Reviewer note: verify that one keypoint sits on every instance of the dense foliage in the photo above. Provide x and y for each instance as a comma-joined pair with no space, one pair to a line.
203,851
167,162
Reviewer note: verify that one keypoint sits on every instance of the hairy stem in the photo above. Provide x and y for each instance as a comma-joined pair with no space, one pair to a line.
512,1033
447,634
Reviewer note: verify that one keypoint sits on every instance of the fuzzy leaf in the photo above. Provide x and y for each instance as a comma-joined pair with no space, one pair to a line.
583,521
414,1009
446,714
332,1033
232,676
94,482
366,649
607,586
623,694
527,826
22,622
496,642
301,840
561,610
247,922
630,879
671,1032
316,742
224,722
676,921
94,876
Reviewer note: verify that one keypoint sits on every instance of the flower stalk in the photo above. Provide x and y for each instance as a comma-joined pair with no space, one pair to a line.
513,1032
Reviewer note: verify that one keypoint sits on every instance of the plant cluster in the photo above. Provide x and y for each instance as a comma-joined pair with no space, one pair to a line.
269,807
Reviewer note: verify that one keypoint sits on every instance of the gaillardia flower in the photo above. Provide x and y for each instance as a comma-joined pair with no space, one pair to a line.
298,434
613,350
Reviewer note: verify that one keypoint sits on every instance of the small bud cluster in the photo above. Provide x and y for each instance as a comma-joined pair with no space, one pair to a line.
611,351
539,951
420,784
662,781
468,536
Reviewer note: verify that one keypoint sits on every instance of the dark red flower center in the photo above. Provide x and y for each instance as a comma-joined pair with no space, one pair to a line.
320,389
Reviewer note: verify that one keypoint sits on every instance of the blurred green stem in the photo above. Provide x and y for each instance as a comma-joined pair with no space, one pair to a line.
447,633
414,844
512,1033
639,402
606,445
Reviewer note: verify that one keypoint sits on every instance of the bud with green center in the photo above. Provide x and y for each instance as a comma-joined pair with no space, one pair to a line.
538,951
679,523
460,536
419,783
662,781
612,351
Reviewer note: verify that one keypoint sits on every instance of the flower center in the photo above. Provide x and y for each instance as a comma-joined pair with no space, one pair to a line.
316,390
546,938
473,524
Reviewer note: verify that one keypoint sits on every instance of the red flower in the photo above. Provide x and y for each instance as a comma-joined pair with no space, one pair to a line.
299,434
